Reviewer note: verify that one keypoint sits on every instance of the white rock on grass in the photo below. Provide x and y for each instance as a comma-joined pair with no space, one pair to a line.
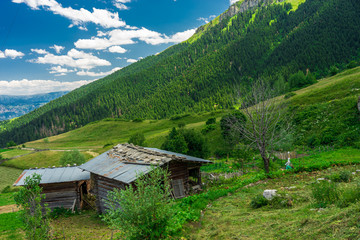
269,194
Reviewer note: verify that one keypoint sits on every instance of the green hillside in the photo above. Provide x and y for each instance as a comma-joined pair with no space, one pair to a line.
323,114
268,41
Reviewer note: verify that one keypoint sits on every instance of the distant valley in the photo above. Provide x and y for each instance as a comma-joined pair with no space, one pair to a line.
16,106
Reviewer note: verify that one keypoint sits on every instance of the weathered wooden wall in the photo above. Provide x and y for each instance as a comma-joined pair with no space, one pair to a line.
61,194
100,187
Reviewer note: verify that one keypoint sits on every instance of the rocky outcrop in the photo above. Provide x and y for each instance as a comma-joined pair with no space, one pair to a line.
244,6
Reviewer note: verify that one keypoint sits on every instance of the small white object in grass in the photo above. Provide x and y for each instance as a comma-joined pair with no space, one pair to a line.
353,173
269,194
320,179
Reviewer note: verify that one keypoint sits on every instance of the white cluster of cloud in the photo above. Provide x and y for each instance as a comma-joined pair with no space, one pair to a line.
30,87
60,71
99,74
74,58
233,1
11,53
120,4
208,19
100,17
57,48
39,51
117,49
130,60
119,37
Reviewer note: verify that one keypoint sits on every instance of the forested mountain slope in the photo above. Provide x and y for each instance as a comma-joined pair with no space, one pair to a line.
264,39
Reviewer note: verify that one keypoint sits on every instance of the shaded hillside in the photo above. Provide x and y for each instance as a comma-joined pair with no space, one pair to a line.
268,40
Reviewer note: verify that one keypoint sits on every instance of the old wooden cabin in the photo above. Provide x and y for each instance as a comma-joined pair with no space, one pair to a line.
63,187
121,166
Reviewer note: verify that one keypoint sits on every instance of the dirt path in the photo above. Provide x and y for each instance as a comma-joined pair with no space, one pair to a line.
8,208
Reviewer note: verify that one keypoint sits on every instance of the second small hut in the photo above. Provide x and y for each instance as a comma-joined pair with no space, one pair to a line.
65,187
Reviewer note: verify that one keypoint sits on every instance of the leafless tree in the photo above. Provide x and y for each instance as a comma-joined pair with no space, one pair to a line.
266,123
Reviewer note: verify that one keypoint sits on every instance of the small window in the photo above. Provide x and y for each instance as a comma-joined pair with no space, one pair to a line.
178,188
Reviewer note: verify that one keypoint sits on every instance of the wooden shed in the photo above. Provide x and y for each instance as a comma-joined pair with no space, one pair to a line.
63,187
121,166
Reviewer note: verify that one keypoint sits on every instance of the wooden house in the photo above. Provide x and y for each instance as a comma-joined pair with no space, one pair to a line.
121,166
63,187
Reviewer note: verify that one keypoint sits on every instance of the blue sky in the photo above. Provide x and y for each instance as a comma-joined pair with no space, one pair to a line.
55,45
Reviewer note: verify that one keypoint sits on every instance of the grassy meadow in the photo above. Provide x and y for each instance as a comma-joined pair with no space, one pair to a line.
232,217
39,159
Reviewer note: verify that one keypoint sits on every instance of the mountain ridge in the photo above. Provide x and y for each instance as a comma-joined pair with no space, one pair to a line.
12,106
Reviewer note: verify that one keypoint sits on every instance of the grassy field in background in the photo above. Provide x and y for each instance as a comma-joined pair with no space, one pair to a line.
8,176
112,131
342,85
14,153
39,159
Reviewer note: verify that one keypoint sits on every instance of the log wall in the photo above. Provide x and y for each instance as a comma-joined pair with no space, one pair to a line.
61,194
101,186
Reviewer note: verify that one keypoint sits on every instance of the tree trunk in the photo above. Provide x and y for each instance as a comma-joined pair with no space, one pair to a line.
266,163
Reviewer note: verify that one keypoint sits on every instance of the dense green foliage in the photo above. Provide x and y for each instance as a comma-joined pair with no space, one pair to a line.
33,214
202,75
228,123
142,211
72,157
137,139
187,141
175,142
196,143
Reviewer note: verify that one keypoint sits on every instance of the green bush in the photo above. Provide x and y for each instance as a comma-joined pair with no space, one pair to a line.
175,142
325,193
137,139
352,64
72,157
313,141
281,200
333,70
181,125
289,95
211,121
343,176
142,211
10,144
258,201
34,215
138,120
177,117
349,195
229,125
196,143
208,128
